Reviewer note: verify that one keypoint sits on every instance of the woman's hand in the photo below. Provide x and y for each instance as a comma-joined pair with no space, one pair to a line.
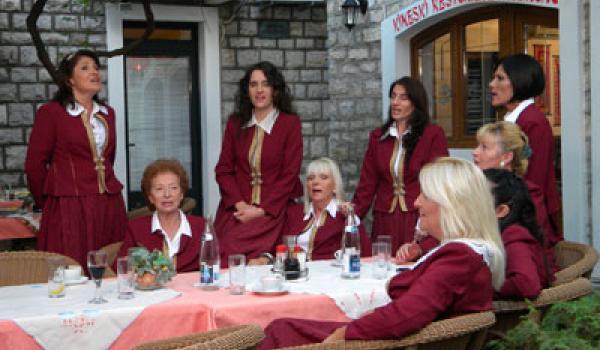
408,252
249,213
343,207
338,334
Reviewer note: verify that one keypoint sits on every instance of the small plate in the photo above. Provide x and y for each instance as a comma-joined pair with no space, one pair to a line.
284,290
81,280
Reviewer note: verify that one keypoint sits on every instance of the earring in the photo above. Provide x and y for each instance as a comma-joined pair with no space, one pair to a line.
502,164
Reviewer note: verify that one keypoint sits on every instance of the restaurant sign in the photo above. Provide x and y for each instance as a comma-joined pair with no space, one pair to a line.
423,9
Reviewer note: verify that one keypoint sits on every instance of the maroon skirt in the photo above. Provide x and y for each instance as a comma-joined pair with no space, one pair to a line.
400,225
284,332
73,226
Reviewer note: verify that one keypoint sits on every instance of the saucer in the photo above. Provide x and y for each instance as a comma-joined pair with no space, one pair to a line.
271,292
81,280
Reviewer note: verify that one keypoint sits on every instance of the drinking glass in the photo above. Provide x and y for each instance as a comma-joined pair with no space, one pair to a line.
381,257
56,277
387,239
125,277
97,262
237,274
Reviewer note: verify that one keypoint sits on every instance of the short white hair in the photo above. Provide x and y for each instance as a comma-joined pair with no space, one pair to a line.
327,166
467,209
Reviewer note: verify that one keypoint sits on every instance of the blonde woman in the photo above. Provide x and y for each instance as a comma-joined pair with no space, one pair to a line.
457,277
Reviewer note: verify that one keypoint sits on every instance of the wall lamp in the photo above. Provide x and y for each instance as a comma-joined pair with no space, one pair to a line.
350,8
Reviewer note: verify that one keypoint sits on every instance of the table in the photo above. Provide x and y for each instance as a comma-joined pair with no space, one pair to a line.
197,310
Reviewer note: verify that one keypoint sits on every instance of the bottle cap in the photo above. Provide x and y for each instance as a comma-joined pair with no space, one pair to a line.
281,248
297,249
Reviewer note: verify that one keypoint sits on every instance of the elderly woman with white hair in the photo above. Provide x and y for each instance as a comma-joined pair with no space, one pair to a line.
320,223
457,277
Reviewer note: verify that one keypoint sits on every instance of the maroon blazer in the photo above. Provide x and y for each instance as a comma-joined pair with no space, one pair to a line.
139,235
526,273
328,237
541,163
376,179
281,160
452,281
59,156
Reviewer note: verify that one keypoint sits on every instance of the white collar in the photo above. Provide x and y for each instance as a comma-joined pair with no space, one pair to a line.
331,208
514,115
184,226
478,246
75,109
267,123
393,131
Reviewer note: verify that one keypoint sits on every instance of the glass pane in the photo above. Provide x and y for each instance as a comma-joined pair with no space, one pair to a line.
543,44
434,62
481,53
158,112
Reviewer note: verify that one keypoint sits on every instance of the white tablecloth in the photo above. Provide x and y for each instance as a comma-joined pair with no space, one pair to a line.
71,322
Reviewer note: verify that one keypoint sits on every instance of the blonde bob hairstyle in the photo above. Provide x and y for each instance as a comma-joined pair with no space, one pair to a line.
511,139
327,166
467,211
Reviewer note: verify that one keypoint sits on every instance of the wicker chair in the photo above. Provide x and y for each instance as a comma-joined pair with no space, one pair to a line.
24,267
509,312
111,251
232,338
462,332
575,260
187,205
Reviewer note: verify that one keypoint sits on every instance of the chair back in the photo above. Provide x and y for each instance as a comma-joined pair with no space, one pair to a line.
25,267
242,337
575,260
111,251
187,205
466,332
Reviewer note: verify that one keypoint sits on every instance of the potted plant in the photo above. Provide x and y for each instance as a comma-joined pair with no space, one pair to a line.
152,269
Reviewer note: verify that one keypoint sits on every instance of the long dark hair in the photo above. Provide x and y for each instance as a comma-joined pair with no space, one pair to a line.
64,94
282,97
420,116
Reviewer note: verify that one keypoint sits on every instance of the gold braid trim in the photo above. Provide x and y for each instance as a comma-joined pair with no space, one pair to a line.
98,160
165,251
254,155
399,191
313,233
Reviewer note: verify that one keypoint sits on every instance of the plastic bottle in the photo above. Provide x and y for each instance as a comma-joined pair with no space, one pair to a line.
280,254
210,260
351,248
291,266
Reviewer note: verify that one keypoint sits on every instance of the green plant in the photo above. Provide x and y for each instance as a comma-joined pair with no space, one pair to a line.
571,325
154,262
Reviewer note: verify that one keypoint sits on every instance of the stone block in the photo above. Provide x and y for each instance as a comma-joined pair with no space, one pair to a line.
368,67
309,109
315,29
371,34
79,38
320,44
97,39
299,91
228,91
43,75
305,43
285,43
248,28
376,15
357,54
296,28
231,75
319,14
373,86
318,91
338,86
231,28
375,51
310,75
322,127
8,92
10,5
227,109
3,114
318,146
20,75
290,75
282,12
20,114
294,59
307,128
346,108
329,109
28,56
326,75
52,89
58,38
350,68
15,157
66,22
93,23
4,77
11,135
4,21
365,106
301,13
19,21
264,43
227,58
55,6
273,56
316,59
259,12
15,38
246,58
239,42
338,53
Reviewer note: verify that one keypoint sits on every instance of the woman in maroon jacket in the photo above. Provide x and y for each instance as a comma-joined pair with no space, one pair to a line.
320,224
168,229
395,155
69,164
259,165
527,269
458,277
516,81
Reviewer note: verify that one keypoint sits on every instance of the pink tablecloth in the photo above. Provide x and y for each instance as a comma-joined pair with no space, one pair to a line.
197,311
13,228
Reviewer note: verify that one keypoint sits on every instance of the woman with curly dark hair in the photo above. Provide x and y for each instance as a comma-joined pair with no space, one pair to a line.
259,166
395,155
69,164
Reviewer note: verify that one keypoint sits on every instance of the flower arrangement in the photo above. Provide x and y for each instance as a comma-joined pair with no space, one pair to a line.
152,269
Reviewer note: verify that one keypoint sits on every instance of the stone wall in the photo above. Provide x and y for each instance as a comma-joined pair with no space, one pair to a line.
302,57
24,83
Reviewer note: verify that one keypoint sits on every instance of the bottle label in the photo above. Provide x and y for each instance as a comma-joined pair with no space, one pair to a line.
354,263
206,274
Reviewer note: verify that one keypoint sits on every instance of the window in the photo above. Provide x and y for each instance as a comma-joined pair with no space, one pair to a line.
455,60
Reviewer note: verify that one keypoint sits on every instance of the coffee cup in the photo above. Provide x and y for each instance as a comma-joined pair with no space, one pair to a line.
338,255
271,282
73,273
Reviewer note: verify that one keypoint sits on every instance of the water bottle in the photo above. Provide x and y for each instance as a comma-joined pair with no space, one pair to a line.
210,260
351,248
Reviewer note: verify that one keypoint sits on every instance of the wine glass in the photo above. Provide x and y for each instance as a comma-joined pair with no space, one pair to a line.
97,262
